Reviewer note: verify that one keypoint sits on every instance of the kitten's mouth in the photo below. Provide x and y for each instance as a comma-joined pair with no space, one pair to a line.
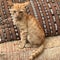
18,17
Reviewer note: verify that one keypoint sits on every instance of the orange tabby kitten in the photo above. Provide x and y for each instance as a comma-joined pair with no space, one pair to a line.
30,29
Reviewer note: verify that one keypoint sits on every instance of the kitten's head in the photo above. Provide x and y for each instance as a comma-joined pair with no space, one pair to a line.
18,10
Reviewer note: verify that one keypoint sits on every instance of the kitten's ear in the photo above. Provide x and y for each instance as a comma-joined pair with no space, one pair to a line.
10,3
26,3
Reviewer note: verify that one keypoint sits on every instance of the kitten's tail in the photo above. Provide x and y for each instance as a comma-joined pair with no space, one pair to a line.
36,52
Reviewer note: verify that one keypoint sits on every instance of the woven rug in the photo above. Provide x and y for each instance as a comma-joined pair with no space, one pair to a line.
11,50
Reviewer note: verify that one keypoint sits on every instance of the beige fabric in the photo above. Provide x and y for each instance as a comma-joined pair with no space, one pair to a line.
11,51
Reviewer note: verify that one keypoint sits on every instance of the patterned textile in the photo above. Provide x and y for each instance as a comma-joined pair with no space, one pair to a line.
48,14
8,31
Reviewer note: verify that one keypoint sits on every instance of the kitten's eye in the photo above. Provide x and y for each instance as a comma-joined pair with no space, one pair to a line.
14,11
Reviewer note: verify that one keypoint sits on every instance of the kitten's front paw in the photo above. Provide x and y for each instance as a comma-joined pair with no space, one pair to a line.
21,44
28,45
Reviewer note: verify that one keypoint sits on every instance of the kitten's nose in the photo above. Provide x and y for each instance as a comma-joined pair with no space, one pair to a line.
20,11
